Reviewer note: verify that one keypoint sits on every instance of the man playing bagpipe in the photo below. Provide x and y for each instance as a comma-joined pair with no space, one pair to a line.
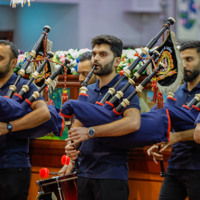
84,67
15,165
183,173
103,169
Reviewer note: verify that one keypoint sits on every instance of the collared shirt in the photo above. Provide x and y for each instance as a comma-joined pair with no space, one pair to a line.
185,155
14,152
96,159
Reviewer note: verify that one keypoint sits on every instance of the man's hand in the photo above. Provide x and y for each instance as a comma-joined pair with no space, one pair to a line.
3,128
71,151
66,169
187,135
154,151
78,135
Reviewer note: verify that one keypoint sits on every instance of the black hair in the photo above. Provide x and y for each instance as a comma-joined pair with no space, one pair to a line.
15,51
195,44
115,43
85,56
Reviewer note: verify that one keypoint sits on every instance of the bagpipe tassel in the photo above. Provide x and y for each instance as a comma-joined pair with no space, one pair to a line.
65,96
155,91
160,100
46,94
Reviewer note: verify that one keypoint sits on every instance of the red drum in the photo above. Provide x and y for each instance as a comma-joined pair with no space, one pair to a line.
58,188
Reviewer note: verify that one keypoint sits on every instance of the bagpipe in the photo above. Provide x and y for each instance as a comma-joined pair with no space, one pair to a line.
37,47
155,125
133,65
14,106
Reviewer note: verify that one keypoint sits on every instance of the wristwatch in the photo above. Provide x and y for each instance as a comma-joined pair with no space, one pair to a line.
9,127
91,132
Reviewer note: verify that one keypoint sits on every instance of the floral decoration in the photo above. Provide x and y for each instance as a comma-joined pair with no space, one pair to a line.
72,55
128,56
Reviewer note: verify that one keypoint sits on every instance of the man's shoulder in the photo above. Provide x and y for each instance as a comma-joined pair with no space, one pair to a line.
180,89
23,81
91,86
122,83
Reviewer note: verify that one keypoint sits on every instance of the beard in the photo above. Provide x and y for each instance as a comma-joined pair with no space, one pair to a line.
105,70
191,76
6,69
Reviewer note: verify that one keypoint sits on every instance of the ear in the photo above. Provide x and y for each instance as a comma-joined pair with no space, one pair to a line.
13,62
117,61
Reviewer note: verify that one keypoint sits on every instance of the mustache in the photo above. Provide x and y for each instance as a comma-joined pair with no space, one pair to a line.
185,71
96,63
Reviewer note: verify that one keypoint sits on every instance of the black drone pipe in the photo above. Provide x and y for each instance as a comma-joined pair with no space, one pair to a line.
139,88
35,75
137,74
32,55
153,41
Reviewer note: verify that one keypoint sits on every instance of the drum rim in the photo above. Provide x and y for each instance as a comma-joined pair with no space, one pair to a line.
56,179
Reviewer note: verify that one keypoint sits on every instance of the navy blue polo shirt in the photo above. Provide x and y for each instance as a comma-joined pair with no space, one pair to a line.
15,151
185,155
96,159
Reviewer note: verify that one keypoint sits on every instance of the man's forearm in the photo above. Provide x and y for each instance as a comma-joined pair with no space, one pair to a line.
187,135
38,116
77,123
128,124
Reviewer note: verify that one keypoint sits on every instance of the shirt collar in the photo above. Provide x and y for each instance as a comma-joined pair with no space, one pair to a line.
184,87
109,85
11,80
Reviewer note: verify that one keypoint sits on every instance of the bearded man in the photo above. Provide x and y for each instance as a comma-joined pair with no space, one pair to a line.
183,172
104,170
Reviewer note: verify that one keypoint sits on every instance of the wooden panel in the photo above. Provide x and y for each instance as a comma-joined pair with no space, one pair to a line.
47,153
140,161
144,174
144,186
44,153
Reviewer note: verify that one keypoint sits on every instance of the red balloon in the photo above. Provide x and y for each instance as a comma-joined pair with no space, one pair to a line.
44,172
65,160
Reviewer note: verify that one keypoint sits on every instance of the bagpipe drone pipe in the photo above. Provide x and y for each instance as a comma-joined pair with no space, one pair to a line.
168,78
133,65
16,107
197,107
37,47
